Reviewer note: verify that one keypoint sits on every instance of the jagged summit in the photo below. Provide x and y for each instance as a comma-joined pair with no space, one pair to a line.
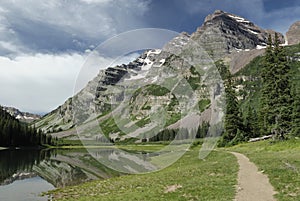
219,14
213,15
227,32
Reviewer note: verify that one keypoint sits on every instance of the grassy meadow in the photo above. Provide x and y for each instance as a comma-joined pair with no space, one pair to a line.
190,178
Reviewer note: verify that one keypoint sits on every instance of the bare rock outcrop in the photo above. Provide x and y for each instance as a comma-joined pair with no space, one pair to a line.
293,34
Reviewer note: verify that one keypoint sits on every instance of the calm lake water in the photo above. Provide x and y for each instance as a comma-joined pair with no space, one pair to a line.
25,174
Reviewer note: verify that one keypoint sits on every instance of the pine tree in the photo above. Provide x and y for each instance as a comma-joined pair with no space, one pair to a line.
233,122
250,123
13,133
296,108
282,99
265,114
275,111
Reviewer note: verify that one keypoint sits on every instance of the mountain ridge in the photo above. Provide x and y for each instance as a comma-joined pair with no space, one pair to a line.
26,117
223,36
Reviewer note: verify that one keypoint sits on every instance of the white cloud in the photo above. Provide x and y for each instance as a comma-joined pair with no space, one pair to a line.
41,82
85,18
38,83
10,47
96,1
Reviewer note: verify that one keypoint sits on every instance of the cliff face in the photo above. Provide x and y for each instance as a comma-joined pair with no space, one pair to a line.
223,33
159,83
293,34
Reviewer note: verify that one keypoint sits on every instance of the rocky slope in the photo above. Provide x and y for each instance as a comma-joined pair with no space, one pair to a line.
22,116
293,34
161,86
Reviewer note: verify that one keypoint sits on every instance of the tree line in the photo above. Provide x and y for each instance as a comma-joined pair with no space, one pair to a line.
181,134
14,133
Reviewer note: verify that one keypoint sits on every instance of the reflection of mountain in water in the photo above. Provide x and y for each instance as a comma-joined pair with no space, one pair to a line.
58,167
124,161
67,168
18,164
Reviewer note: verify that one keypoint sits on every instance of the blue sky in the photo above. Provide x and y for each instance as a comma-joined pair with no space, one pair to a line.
43,44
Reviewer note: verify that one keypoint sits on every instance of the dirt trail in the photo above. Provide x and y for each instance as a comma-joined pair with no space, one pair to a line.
252,184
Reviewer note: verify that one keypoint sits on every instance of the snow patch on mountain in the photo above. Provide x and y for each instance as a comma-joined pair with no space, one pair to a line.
147,64
259,47
239,19
22,116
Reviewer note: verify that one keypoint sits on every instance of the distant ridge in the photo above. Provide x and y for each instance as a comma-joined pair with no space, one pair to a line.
22,116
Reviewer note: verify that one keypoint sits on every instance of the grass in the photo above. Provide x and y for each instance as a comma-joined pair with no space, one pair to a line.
203,104
174,117
212,179
145,147
195,179
143,122
156,90
174,102
280,161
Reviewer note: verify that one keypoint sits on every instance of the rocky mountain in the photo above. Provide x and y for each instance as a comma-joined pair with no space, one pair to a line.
293,34
22,116
161,87
223,33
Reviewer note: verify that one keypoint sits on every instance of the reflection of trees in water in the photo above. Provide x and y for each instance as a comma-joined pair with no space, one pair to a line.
58,167
69,167
16,161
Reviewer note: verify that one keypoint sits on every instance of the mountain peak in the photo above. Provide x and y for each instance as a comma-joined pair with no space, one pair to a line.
229,32
222,15
214,15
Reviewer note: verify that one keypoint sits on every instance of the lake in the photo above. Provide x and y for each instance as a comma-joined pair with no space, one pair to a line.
25,174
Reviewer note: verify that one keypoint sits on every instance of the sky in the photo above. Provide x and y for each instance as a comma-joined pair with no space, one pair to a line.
45,44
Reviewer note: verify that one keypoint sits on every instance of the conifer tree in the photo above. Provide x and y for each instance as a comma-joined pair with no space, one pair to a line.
265,116
13,133
296,107
250,123
283,101
276,100
233,122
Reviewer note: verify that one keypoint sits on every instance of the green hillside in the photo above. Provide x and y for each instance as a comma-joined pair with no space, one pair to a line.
275,98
